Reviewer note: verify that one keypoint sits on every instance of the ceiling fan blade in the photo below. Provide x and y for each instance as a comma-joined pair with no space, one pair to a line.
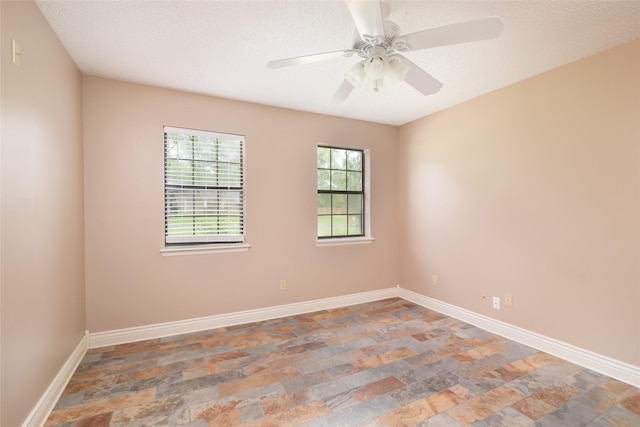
367,16
422,81
308,59
343,92
462,32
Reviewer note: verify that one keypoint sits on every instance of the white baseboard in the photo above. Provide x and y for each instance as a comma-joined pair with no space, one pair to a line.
160,330
40,412
605,365
599,363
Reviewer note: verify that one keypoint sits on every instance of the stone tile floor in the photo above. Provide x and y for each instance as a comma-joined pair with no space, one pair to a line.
386,363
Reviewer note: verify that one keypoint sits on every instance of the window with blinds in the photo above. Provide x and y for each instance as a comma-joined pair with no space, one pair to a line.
203,187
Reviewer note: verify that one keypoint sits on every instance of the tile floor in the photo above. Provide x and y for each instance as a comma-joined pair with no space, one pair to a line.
386,363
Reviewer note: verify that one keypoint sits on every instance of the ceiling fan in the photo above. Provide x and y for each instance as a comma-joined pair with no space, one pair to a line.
380,45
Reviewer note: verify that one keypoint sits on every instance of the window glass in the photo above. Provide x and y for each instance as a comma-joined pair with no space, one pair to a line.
340,192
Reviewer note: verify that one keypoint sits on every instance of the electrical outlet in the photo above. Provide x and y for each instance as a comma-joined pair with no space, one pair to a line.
508,300
283,285
434,280
496,303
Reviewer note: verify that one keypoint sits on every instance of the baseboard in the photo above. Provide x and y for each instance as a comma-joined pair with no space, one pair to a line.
605,365
160,330
599,363
40,412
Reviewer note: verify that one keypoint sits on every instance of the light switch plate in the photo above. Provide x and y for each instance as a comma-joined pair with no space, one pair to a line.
16,54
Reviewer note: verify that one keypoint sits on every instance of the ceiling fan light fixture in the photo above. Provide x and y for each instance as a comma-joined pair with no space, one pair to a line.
355,75
376,66
371,72
397,69
358,77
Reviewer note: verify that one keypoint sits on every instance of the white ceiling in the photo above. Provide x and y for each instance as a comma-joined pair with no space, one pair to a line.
221,48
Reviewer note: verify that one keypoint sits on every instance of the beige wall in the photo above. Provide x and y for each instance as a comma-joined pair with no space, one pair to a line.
130,284
43,301
534,190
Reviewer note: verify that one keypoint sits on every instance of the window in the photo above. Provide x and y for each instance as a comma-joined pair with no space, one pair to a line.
203,187
340,192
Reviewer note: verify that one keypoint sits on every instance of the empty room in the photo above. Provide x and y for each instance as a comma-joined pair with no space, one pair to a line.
320,213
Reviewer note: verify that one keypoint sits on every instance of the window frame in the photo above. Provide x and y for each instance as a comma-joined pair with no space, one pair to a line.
363,236
194,244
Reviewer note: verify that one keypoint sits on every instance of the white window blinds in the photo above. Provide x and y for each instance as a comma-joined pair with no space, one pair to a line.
203,187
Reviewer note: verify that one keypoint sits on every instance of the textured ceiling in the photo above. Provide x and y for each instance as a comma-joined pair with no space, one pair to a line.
221,48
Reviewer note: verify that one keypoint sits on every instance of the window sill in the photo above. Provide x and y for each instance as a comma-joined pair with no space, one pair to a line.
345,241
201,250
